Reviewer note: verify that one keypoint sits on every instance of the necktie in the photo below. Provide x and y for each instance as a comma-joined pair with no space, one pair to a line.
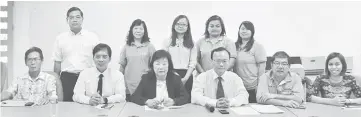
100,84
220,91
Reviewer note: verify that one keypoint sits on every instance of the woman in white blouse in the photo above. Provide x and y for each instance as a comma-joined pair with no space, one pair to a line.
160,86
182,49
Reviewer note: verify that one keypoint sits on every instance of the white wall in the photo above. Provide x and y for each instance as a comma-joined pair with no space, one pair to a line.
299,28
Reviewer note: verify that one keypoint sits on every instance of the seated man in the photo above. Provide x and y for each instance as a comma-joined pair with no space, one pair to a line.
35,86
218,87
100,84
279,86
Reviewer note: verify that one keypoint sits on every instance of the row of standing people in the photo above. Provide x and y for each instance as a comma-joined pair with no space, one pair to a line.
72,52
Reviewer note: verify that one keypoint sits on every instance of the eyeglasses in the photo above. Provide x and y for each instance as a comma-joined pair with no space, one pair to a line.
32,59
221,61
183,25
283,64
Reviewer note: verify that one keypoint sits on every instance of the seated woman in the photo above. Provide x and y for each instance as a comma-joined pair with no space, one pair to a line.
160,86
335,87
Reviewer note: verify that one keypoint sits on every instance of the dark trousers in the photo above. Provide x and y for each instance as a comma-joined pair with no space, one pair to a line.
189,83
68,82
252,96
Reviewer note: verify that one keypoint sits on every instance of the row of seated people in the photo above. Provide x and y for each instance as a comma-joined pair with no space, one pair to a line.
161,86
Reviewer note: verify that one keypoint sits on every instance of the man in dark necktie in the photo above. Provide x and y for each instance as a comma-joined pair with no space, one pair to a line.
218,87
100,84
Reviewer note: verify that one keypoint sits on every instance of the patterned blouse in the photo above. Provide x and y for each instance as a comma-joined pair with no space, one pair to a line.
327,89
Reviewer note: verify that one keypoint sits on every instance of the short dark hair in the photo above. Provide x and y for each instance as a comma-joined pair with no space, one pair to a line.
219,50
74,9
102,46
249,26
34,49
342,59
188,41
280,54
130,37
215,17
162,54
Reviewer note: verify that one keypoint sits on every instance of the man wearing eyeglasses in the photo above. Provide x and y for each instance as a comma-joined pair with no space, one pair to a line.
279,86
34,86
72,51
218,87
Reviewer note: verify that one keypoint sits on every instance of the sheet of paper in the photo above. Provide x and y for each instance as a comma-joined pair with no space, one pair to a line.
244,110
151,109
11,103
267,109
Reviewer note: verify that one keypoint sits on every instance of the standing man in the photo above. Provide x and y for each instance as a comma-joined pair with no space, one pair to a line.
73,51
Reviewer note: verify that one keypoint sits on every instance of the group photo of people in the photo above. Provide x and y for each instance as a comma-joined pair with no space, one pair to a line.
197,64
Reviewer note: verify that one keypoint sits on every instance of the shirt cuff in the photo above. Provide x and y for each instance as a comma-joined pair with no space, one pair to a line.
212,102
232,102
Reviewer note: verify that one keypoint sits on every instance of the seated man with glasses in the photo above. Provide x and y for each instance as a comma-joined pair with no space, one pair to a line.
279,86
35,86
218,87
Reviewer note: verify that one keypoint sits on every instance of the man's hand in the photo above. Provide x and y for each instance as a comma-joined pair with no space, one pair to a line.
168,102
222,103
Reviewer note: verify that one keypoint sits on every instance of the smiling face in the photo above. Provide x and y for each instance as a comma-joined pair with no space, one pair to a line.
138,31
214,28
181,26
160,66
335,66
244,33
101,59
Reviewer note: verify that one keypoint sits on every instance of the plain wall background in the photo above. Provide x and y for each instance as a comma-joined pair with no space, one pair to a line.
299,28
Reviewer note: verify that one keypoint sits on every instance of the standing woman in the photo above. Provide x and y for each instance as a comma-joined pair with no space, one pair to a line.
251,59
182,49
214,37
135,55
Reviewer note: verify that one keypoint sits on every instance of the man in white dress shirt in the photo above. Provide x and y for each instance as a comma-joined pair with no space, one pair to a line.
72,51
100,84
207,90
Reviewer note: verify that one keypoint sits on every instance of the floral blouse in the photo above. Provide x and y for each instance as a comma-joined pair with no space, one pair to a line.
323,86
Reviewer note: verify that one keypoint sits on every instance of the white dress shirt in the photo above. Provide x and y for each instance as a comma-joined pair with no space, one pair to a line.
87,84
162,91
205,88
74,51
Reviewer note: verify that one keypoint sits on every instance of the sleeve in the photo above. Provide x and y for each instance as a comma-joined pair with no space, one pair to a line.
198,96
262,87
314,89
260,54
51,86
183,95
231,47
57,51
13,88
198,47
298,87
355,89
119,94
193,58
242,94
79,89
123,59
137,97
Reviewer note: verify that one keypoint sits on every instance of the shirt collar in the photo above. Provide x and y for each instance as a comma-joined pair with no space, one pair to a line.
219,39
40,76
73,34
215,75
286,80
141,45
98,72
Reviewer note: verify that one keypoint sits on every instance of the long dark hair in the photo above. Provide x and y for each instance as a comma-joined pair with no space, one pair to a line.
343,62
215,17
188,41
130,37
249,26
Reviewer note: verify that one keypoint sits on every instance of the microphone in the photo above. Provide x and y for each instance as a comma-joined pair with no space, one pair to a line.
209,108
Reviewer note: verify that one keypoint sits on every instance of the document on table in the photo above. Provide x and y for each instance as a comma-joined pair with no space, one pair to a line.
163,108
267,109
244,110
12,103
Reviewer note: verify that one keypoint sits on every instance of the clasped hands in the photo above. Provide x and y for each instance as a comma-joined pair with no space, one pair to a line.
156,103
222,103
96,99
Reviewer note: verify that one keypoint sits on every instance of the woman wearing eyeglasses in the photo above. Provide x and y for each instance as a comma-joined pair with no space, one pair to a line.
251,59
336,87
182,49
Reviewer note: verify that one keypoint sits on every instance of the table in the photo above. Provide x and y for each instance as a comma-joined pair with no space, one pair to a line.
189,110
321,110
64,109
